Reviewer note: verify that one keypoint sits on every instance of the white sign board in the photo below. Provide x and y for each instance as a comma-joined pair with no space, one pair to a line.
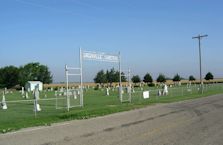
100,56
146,94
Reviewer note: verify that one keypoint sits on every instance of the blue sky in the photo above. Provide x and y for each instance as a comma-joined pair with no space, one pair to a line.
153,36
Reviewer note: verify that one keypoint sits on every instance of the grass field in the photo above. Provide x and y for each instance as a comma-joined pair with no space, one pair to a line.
20,114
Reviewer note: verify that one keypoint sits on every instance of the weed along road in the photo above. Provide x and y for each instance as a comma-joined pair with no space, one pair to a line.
192,122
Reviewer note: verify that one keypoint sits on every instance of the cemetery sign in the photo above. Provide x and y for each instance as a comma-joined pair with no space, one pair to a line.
100,56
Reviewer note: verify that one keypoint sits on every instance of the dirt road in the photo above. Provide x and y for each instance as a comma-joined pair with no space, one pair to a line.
193,122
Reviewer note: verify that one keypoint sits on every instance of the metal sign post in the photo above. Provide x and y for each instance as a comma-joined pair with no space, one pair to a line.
81,79
101,56
67,86
95,56
128,75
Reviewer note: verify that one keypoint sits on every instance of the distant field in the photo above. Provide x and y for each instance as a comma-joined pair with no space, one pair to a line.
169,82
20,113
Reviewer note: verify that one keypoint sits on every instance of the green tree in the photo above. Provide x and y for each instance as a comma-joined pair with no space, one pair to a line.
148,78
191,78
100,77
136,79
112,76
35,72
177,78
161,78
123,77
209,76
9,76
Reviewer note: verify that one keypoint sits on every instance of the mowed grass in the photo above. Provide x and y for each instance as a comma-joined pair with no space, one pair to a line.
96,103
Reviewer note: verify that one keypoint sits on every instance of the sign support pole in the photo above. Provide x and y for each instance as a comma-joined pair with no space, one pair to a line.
130,87
67,80
120,78
81,78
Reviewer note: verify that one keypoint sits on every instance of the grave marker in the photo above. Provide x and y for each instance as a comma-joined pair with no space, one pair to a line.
146,94
3,104
107,91
36,97
26,95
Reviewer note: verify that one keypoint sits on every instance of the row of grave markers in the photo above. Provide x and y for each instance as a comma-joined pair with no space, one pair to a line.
76,92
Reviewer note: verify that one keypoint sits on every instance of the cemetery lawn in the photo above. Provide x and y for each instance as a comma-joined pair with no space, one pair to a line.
96,103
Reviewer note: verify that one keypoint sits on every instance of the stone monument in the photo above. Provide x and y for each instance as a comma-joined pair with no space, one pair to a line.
3,103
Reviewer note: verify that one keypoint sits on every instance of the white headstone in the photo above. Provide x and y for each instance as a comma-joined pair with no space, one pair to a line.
107,92
6,91
36,97
37,107
3,104
55,93
189,90
75,95
146,94
128,89
159,93
165,90
133,90
26,95
61,90
23,91
69,93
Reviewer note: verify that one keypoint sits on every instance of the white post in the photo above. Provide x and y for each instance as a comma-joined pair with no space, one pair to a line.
81,78
130,87
120,78
67,80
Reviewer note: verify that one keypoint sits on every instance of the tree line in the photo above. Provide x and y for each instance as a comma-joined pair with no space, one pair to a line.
162,78
11,76
113,76
109,76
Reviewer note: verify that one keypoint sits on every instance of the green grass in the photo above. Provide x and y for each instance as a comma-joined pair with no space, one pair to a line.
21,115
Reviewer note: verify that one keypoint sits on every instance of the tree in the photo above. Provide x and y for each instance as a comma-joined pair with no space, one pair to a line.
9,76
35,72
148,78
123,78
192,78
176,78
136,79
209,76
109,77
100,77
112,76
161,78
